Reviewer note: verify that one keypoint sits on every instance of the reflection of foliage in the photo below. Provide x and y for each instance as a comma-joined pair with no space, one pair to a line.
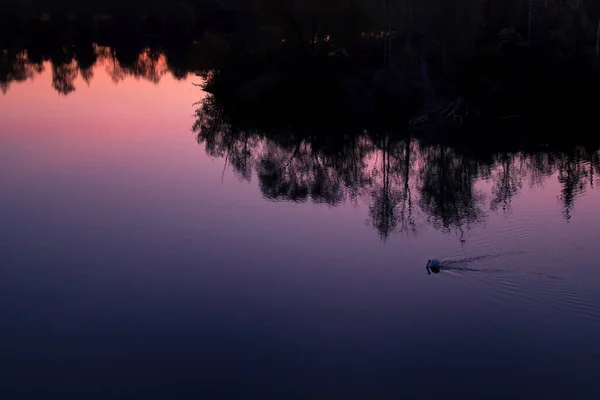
69,62
16,66
391,206
148,64
392,176
87,57
281,177
572,175
63,77
405,170
540,166
447,188
289,167
508,181
386,198
220,140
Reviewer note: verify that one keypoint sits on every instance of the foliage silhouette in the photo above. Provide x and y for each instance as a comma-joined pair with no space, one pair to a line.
406,182
69,62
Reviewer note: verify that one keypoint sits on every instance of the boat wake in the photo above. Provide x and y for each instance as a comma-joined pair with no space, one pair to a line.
466,265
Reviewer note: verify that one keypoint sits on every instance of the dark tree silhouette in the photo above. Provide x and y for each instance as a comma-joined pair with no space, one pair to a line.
63,77
508,181
16,67
573,177
448,194
69,62
399,178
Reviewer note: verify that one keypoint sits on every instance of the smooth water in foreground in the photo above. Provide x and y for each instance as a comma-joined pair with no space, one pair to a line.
143,255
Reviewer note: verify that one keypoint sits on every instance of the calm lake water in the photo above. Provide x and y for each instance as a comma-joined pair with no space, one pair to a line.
149,250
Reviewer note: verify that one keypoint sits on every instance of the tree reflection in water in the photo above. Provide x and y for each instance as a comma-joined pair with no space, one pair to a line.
69,62
447,190
508,181
404,181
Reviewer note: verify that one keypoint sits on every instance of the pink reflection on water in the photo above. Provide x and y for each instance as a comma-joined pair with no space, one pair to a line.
100,106
101,120
126,150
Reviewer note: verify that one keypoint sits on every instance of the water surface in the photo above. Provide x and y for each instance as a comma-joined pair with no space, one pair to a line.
149,249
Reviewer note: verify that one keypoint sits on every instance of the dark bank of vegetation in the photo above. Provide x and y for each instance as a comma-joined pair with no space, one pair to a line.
163,19
427,65
124,60
423,65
